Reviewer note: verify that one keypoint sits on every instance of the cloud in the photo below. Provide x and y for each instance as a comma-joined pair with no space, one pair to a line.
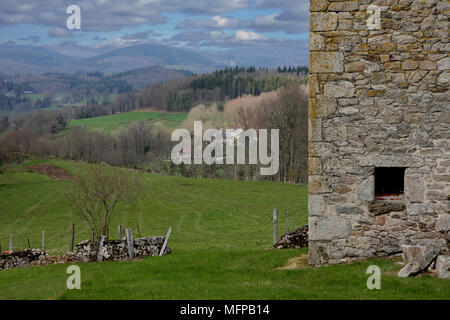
293,19
214,23
138,36
34,39
243,35
240,38
98,38
102,15
118,42
59,33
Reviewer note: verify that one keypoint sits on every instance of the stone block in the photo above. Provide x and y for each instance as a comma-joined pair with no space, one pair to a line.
356,66
443,64
348,209
410,65
329,228
341,89
443,223
326,62
325,106
417,258
318,253
443,267
323,21
314,184
414,188
366,189
382,207
314,166
419,209
315,130
316,205
344,6
316,42
378,160
317,5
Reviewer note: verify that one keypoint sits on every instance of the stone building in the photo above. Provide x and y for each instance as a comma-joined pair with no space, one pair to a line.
379,127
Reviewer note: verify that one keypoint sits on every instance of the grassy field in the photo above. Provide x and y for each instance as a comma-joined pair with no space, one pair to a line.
221,243
112,123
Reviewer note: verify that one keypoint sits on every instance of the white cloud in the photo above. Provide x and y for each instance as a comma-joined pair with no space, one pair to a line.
59,33
221,22
243,35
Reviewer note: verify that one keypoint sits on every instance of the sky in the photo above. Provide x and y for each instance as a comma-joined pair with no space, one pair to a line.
218,24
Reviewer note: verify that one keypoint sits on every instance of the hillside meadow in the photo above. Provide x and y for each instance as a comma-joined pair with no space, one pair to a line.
112,123
221,243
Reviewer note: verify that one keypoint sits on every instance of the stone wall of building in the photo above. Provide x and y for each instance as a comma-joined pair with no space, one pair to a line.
378,98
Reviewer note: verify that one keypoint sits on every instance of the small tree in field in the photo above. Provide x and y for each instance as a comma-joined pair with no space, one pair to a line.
96,193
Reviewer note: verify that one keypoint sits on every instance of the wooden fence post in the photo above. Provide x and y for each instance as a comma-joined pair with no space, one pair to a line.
287,221
139,231
43,240
275,226
163,248
73,237
11,242
130,243
100,248
29,245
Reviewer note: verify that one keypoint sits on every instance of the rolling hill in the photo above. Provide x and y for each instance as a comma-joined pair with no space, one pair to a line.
28,59
220,243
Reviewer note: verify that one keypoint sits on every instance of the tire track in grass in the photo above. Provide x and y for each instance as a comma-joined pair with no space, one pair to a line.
181,215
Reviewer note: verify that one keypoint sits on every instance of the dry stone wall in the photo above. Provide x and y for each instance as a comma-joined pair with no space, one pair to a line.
113,250
117,250
378,98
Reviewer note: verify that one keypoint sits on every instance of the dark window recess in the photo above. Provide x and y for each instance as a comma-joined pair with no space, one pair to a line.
389,183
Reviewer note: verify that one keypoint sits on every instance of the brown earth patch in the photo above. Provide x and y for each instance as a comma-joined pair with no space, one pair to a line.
295,263
53,172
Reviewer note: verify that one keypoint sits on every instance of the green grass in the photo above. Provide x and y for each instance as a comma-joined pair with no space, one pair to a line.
112,123
221,243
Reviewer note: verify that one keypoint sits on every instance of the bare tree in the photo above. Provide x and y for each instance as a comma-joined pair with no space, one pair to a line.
95,195
290,114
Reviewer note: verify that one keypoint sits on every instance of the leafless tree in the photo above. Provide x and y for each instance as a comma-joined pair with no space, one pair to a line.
289,114
96,193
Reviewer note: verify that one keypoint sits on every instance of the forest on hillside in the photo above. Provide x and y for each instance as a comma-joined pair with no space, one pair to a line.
233,98
181,94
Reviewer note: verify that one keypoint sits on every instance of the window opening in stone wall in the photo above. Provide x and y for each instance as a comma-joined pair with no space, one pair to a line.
389,183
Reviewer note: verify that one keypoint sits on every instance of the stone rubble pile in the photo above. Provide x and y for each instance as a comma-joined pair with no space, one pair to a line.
113,250
22,259
433,257
297,238
117,250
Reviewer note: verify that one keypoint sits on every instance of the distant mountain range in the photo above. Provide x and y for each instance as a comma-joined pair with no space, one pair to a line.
29,59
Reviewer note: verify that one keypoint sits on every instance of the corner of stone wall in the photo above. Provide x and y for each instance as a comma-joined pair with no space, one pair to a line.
377,98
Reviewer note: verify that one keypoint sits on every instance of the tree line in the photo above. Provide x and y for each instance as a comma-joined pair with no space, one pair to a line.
182,94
